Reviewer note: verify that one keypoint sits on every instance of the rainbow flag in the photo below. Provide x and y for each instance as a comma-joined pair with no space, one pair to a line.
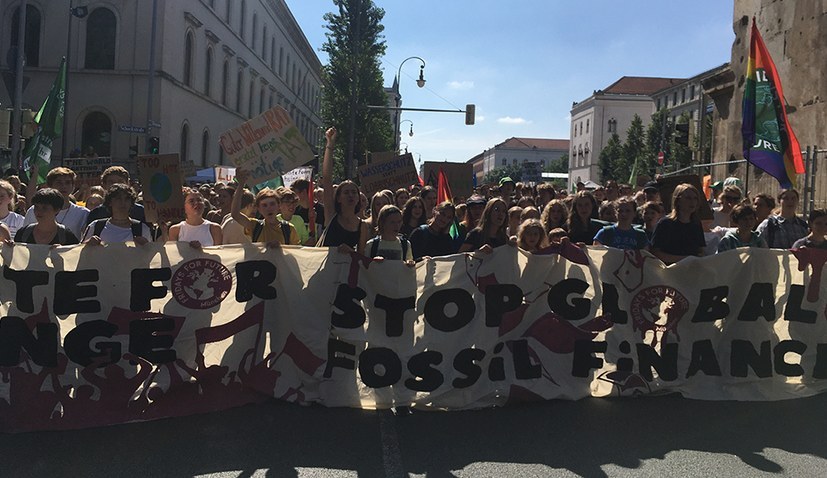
769,141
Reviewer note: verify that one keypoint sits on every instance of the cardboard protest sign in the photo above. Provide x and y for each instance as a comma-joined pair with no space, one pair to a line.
88,170
460,176
162,183
393,173
267,145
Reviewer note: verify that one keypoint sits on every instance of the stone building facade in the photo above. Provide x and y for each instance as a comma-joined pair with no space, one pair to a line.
796,36
218,63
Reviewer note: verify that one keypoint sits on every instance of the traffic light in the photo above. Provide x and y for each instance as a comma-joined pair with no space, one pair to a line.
682,133
154,145
470,112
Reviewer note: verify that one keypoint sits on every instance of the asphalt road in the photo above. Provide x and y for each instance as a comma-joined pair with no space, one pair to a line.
652,436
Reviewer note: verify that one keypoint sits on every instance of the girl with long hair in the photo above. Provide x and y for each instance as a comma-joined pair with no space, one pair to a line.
344,229
582,222
491,230
413,215
680,234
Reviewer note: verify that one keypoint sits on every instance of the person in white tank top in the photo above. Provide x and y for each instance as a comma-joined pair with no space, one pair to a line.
195,230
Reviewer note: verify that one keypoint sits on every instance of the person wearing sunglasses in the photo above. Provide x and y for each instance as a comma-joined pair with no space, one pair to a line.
729,197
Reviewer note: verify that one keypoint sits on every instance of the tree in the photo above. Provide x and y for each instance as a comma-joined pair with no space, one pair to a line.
514,171
352,81
610,157
658,138
681,155
634,152
559,165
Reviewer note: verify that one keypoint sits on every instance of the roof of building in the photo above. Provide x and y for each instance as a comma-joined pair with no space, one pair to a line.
534,143
640,85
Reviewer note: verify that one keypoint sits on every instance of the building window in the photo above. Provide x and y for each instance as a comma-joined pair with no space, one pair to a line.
241,23
514,162
97,134
188,47
205,147
261,102
101,30
581,128
208,72
238,91
270,104
273,54
225,82
587,126
691,92
674,98
658,104
254,38
185,142
505,162
250,99
228,13
281,61
264,42
612,125
32,37
683,96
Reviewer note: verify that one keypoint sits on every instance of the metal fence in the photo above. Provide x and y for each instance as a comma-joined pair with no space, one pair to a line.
811,185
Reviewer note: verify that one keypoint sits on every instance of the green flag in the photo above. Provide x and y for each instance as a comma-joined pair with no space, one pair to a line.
271,184
49,126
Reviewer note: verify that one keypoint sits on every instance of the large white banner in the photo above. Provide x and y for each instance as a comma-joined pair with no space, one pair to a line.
173,330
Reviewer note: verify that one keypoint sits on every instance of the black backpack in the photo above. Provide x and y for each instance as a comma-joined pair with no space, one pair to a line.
259,227
374,247
99,224
27,233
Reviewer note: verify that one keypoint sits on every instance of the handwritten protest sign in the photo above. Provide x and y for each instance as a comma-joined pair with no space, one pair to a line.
224,174
162,182
393,173
305,172
460,176
88,170
267,145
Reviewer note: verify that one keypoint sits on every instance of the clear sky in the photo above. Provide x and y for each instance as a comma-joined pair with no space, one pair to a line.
523,62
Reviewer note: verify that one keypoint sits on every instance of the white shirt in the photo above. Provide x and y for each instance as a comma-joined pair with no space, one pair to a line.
73,218
199,233
113,233
14,222
233,232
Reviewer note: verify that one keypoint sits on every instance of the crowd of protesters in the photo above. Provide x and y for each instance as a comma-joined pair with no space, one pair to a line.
409,224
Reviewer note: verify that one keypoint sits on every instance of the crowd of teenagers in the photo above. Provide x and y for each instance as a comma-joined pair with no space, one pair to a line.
409,224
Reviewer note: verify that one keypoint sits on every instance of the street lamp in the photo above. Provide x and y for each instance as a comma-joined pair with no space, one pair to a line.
406,147
408,121
420,82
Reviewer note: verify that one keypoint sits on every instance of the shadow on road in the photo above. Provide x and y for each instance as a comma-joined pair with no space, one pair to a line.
578,436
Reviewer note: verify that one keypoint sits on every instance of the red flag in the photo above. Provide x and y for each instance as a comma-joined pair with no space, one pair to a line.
443,189
301,354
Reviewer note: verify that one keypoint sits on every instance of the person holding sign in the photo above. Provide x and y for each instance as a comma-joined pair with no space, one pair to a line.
680,234
270,230
46,205
119,227
344,229
195,229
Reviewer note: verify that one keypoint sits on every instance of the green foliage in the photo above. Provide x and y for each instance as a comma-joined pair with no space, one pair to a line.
657,141
681,156
634,152
610,157
353,80
560,165
514,171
